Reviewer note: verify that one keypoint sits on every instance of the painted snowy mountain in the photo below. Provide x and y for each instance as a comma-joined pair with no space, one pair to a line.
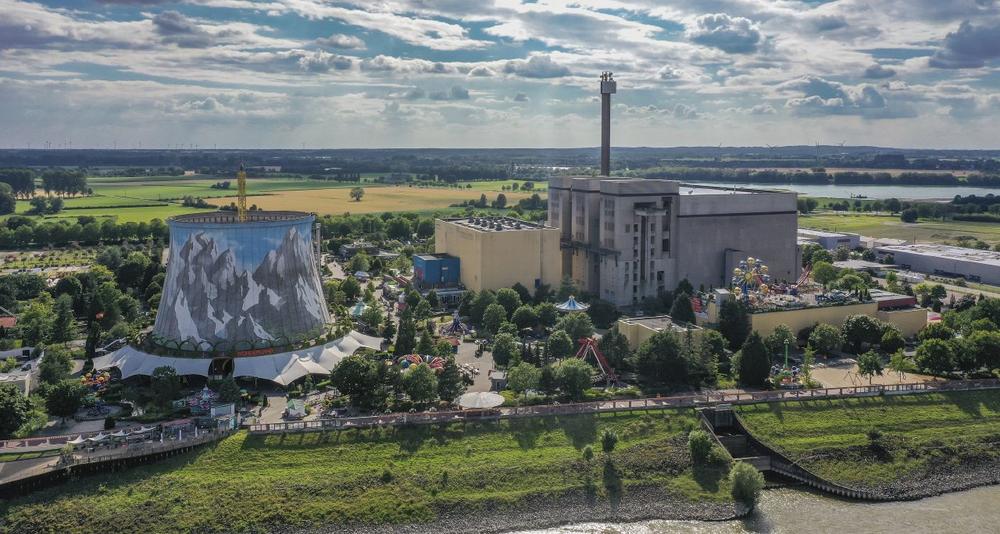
207,297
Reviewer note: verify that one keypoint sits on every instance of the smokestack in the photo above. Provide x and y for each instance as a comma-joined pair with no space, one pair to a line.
608,87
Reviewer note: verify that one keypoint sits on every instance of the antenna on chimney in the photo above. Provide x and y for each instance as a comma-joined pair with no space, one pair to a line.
608,88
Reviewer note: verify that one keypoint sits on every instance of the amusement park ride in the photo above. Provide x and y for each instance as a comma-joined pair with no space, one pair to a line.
588,347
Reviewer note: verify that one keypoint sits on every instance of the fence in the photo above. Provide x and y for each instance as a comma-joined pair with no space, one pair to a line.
652,403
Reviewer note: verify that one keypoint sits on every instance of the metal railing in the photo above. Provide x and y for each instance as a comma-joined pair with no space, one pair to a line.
651,403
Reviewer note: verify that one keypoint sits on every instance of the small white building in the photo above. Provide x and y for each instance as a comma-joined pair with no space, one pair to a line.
830,240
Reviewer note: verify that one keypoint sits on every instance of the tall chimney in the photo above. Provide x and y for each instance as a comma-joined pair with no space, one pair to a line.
608,87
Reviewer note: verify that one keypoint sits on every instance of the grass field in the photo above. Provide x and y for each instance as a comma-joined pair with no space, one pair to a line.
920,432
391,476
376,199
891,226
128,214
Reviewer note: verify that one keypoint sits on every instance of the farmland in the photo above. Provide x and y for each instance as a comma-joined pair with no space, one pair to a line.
382,476
890,226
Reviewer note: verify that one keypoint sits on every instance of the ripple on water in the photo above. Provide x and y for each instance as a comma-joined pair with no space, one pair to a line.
787,510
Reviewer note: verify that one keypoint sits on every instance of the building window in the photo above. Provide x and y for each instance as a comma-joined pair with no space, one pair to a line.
665,245
628,228
659,276
635,289
635,276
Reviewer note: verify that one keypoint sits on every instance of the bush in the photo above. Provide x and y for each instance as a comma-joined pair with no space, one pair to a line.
747,484
700,445
588,453
110,422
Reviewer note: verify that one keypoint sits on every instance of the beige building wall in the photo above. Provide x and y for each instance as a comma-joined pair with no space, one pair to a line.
909,321
636,333
796,320
496,259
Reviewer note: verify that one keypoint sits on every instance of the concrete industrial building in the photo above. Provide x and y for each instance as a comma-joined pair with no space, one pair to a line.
496,252
973,264
638,329
830,240
626,239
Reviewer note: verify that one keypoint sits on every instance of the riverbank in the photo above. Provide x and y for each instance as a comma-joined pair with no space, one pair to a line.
895,447
459,477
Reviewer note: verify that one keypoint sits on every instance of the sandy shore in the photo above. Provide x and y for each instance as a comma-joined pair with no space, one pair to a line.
638,504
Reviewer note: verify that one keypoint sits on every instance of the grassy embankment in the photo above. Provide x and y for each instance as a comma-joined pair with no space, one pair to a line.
920,435
890,226
392,476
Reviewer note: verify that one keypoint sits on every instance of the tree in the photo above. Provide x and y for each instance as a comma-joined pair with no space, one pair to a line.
547,314
355,376
936,331
609,439
451,384
420,384
870,365
7,201
522,292
15,408
63,325
747,483
505,349
372,318
357,193
566,289
398,228
64,399
574,377
422,311
614,346
493,317
909,215
753,364
577,324
892,340
509,299
406,338
900,364
479,304
602,313
525,317
823,273
228,390
523,376
351,288
35,322
426,344
777,340
55,365
734,323
985,346
661,359
825,338
860,329
935,356
548,382
700,446
559,345
681,310
165,385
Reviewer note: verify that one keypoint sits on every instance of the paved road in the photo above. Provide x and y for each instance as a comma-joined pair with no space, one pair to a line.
467,354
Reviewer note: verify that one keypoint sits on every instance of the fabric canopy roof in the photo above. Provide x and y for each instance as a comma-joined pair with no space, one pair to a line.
480,399
282,368
572,305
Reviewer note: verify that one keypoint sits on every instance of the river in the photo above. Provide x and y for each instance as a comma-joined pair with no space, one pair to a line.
902,192
795,511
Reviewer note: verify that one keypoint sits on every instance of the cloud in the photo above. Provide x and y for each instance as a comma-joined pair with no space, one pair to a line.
763,109
818,96
176,28
521,97
968,47
538,66
482,72
389,64
736,35
342,42
323,61
877,72
455,93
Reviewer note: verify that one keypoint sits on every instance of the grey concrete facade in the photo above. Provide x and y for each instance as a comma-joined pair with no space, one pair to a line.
627,239
972,264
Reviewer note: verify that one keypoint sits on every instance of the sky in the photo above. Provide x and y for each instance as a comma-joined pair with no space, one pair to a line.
501,73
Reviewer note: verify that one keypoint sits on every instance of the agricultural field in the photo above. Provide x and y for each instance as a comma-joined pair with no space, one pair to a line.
50,258
881,441
925,230
365,477
336,201
128,214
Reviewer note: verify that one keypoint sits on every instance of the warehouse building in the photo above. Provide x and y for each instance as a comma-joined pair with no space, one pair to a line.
496,252
830,240
627,239
943,260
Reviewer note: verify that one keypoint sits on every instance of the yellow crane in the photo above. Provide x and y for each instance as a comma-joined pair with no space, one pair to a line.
241,194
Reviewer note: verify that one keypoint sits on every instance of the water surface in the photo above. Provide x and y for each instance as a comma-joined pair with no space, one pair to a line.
909,192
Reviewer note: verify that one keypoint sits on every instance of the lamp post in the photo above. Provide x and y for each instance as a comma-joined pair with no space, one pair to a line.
786,355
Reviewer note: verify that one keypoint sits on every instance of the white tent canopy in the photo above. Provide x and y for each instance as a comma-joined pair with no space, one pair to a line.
480,400
282,368
77,440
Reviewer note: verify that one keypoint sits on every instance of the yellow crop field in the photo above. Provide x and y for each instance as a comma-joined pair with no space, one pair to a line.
375,199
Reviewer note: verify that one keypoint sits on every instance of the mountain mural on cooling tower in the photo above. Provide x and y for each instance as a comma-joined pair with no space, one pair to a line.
207,297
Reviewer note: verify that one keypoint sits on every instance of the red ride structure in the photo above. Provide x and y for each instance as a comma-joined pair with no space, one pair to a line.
588,346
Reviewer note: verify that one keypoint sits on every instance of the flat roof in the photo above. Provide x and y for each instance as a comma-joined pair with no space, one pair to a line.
497,224
858,265
948,252
231,217
699,189
821,233
435,256
658,323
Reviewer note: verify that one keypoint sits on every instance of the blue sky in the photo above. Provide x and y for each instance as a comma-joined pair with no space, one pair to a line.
503,73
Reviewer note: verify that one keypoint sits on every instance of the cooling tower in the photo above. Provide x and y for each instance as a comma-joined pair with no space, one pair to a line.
240,286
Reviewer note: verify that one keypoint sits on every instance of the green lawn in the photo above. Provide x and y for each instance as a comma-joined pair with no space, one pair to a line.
920,432
129,214
891,226
252,483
